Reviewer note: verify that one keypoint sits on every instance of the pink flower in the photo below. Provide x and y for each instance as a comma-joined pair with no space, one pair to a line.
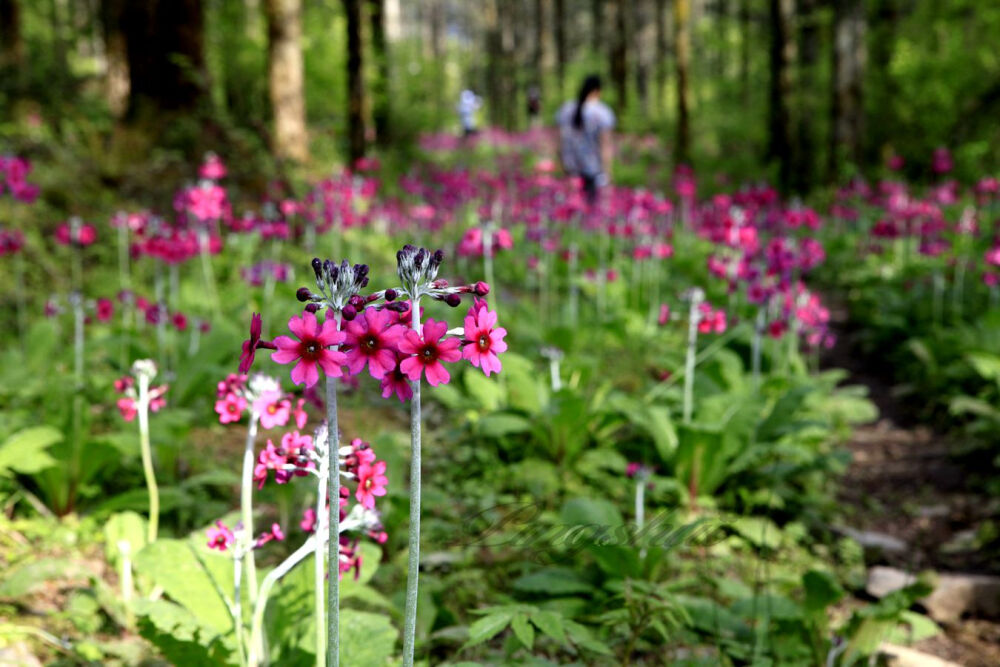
272,409
300,414
105,310
371,483
372,337
156,400
180,321
230,408
252,344
429,351
213,168
632,469
310,350
220,537
274,534
664,315
308,523
484,341
127,407
395,382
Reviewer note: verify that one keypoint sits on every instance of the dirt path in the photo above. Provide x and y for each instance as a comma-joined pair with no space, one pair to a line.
907,483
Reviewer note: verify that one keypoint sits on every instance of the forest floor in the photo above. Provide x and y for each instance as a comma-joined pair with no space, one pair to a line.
910,484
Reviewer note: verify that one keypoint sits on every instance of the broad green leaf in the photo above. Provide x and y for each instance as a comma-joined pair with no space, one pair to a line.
766,606
366,639
26,577
487,627
176,566
759,531
487,391
500,424
551,624
124,527
590,511
553,581
822,590
181,638
523,630
24,452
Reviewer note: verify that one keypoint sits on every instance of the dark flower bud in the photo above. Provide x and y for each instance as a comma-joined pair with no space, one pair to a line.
303,294
328,268
453,300
418,259
398,306
312,308
364,282
437,258
349,312
390,295
317,265
481,288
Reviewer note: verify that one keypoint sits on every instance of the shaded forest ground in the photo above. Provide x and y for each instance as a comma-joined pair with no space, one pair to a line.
911,484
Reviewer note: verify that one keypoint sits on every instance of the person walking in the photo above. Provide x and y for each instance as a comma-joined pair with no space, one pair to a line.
468,105
585,144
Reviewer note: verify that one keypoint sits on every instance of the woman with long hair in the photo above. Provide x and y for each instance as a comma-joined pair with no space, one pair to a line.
585,126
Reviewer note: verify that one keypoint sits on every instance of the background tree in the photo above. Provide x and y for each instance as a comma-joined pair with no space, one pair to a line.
682,53
355,82
381,81
782,54
849,55
166,54
285,78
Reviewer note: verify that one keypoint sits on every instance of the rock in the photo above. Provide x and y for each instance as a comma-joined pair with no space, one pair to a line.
940,510
901,656
884,580
955,595
875,541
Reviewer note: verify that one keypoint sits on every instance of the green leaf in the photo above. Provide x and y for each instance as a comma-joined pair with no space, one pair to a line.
822,590
366,639
759,531
179,635
487,627
766,606
551,624
553,581
913,627
191,579
125,527
26,577
590,511
24,452
523,630
487,392
500,424
582,637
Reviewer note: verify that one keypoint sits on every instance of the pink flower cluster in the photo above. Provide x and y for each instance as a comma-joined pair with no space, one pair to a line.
711,320
393,353
272,407
292,458
472,244
14,179
128,403
11,241
77,234
222,538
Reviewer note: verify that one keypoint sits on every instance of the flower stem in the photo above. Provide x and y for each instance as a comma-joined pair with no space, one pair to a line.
257,624
689,361
147,458
319,571
413,557
333,543
246,503
238,609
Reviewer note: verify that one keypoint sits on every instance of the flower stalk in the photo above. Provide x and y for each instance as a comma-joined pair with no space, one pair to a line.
144,371
413,555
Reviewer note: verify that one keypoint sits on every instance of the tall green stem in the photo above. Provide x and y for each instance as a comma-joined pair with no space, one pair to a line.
692,348
333,543
413,557
147,458
246,503
319,566
257,624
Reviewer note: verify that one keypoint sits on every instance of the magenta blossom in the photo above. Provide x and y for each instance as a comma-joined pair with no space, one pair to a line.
310,350
371,339
230,408
272,409
395,382
308,523
428,353
483,339
220,537
371,483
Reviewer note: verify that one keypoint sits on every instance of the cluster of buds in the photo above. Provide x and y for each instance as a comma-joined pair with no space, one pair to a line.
417,269
143,371
294,457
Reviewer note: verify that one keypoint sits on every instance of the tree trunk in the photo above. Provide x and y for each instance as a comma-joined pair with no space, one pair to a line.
804,171
559,23
355,83
11,42
508,68
782,53
745,40
885,25
543,41
116,81
166,56
644,42
619,52
849,56
662,52
682,53
285,79
597,26
491,32
381,84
